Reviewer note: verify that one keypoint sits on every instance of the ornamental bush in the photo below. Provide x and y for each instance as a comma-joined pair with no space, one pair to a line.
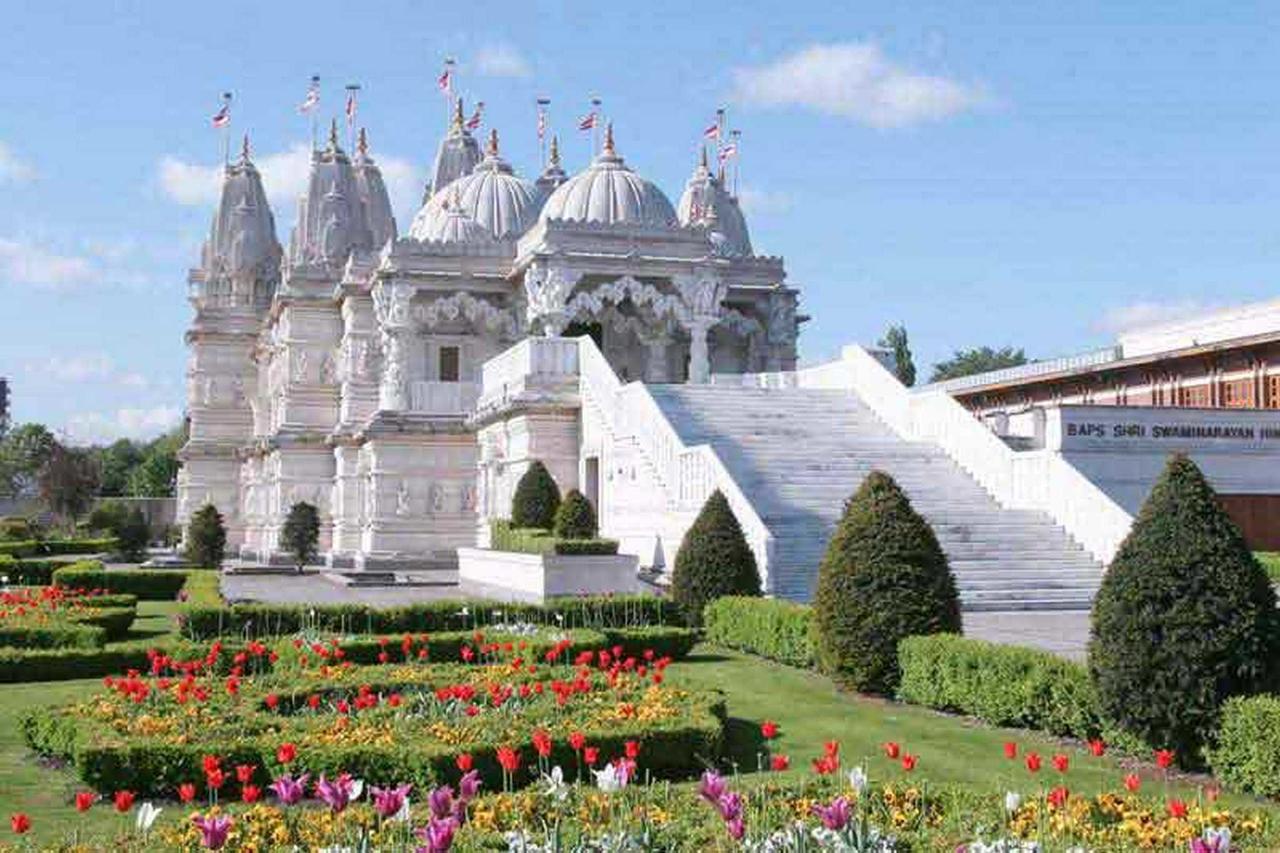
206,538
301,533
575,519
146,584
1247,755
769,627
536,499
714,560
1185,617
884,577
134,533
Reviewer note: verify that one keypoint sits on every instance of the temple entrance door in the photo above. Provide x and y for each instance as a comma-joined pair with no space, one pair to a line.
592,330
591,483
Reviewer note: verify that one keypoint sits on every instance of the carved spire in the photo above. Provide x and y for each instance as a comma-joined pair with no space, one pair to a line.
333,135
458,120
554,161
492,148
702,161
362,143
244,150
608,139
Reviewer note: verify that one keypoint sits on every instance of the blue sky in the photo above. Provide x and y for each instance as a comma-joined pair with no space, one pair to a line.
1034,174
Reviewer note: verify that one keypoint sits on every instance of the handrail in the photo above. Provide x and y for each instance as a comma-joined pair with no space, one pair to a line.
688,474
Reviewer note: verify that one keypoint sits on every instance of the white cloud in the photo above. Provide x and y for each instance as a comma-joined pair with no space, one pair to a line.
857,81
764,202
24,263
502,60
1124,318
284,178
102,427
97,368
12,168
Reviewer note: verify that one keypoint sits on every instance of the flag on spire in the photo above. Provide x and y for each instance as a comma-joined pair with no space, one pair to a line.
222,117
351,105
312,100
728,151
588,121
476,117
712,131
542,117
445,80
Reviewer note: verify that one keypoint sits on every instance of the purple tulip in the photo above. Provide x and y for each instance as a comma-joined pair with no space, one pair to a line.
213,830
387,802
730,806
440,801
438,834
469,786
290,790
712,786
339,793
736,828
835,816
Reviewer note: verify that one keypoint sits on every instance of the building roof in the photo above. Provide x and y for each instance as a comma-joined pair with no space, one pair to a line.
608,192
705,201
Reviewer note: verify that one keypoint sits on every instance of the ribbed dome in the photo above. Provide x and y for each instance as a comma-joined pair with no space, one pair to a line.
504,204
608,192
451,226
706,202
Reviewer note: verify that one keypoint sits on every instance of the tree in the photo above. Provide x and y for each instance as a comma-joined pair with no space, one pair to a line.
575,519
68,481
156,473
967,362
536,499
108,517
23,453
1185,617
883,578
301,533
895,340
133,534
714,560
117,461
206,538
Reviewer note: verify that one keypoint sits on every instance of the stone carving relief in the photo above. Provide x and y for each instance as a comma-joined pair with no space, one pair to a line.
300,366
437,499
701,294
328,370
592,303
394,392
782,318
546,290
480,313
391,303
404,500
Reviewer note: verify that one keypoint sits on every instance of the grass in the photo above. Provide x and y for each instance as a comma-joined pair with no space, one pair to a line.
807,707
1271,562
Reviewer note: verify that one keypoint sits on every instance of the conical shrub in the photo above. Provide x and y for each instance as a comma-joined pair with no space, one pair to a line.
714,560
536,499
884,577
1185,618
206,540
575,519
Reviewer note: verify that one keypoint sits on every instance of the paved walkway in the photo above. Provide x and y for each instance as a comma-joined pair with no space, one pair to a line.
1064,632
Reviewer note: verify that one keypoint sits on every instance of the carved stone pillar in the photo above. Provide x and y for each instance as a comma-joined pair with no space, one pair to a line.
393,393
655,365
546,291
699,359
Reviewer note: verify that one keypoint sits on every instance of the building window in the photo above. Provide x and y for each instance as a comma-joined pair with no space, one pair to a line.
1237,394
1273,392
449,364
1195,397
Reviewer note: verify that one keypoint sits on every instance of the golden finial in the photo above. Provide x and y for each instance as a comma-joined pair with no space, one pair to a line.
555,151
492,148
333,135
362,143
457,114
608,139
244,149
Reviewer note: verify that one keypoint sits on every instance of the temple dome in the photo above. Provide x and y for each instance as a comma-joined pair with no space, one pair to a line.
373,192
450,223
242,255
706,202
609,192
457,155
503,204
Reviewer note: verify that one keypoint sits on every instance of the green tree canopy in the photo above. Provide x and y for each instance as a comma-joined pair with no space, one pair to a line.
23,453
301,533
69,480
117,461
895,340
967,362
714,560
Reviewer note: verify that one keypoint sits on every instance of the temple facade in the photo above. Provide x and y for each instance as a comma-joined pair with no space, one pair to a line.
344,370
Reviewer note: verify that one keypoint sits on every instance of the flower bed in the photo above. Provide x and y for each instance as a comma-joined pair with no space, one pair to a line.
55,617
398,721
146,584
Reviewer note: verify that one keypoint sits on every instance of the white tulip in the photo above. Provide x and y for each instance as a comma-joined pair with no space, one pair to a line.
1012,801
610,779
147,814
858,779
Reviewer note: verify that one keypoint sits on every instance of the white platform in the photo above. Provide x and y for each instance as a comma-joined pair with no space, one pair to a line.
534,578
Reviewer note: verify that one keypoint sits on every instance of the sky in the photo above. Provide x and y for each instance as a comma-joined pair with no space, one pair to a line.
1041,175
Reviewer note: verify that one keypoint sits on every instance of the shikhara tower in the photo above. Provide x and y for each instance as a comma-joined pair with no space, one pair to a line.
345,371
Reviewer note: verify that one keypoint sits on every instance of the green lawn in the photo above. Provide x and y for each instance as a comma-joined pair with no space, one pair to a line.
806,706
1271,562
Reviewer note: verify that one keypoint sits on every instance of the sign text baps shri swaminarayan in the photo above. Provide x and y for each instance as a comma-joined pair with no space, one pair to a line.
1236,432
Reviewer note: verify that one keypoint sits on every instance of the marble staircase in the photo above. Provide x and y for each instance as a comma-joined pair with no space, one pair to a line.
798,454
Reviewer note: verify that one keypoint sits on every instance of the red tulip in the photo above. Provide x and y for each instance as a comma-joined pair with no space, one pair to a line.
1177,808
908,762
779,762
1058,797
1164,758
826,764
215,780
273,701
590,754
1132,782
186,792
509,759
211,763
632,749
769,729
20,823
1033,762
831,748
577,740
286,753
1097,747
85,800
892,750
1010,749
542,743
464,761
250,793
1061,763
124,801
244,773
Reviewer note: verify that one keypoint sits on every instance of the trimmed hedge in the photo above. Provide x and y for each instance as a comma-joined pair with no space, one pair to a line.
114,622
533,540
146,584
713,560
52,547
203,622
1247,755
21,548
78,634
662,640
768,627
25,665
1001,685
